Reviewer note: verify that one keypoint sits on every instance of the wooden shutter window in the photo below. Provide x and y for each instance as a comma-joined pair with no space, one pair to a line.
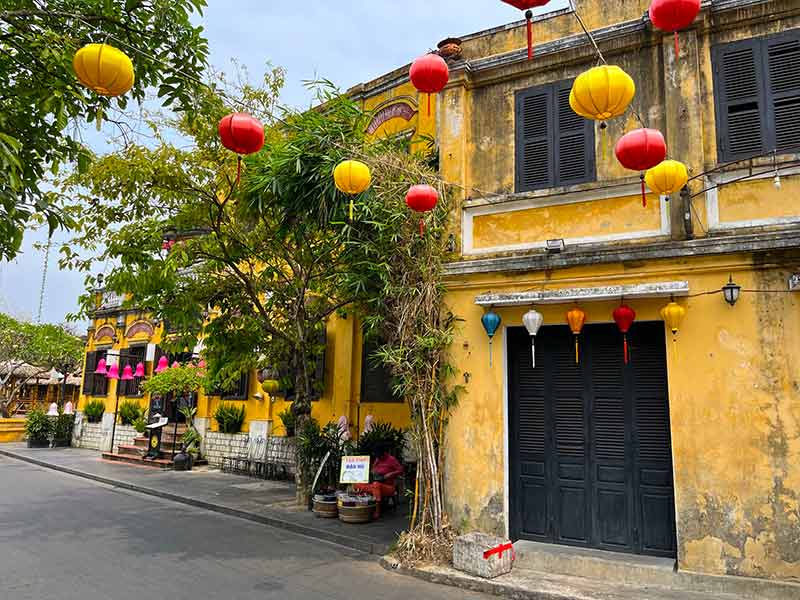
783,89
376,381
740,100
88,372
554,145
574,139
533,140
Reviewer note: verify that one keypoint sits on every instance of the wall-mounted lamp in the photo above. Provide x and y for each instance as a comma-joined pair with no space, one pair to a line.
555,246
731,291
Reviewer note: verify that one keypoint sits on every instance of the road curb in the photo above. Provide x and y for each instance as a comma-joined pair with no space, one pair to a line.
326,536
473,584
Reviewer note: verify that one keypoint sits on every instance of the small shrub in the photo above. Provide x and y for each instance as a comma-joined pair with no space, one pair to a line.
140,424
129,412
94,410
229,418
191,441
62,427
382,438
287,417
38,425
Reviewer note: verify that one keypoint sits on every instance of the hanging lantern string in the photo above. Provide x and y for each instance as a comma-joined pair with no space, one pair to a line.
468,190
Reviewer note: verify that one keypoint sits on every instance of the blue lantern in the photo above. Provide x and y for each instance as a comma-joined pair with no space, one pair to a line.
491,321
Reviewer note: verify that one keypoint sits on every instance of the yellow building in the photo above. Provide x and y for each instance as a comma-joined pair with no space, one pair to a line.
353,385
691,449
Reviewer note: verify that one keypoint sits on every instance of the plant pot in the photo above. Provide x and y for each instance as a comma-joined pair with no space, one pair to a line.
38,443
61,443
356,514
450,49
326,509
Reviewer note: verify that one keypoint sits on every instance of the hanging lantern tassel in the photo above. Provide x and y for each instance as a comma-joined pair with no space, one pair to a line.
533,351
644,195
350,209
677,46
490,353
421,227
238,169
603,127
625,347
529,21
490,321
577,353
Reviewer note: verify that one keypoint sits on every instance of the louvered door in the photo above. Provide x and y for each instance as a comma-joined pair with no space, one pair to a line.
590,443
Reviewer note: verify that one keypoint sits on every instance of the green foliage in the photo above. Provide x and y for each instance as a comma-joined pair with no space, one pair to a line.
382,438
182,379
43,103
313,443
94,410
62,426
229,417
191,440
140,423
289,420
130,411
38,425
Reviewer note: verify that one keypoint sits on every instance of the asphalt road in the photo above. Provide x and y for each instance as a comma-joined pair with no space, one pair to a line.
65,538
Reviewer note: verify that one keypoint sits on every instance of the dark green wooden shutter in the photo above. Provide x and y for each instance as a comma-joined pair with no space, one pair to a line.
739,99
782,65
534,163
574,141
376,380
100,381
88,372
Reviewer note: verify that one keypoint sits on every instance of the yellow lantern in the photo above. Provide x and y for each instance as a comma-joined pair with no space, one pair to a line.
270,386
602,93
104,69
667,177
673,314
352,177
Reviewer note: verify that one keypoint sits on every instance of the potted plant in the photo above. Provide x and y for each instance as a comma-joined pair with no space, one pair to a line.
94,410
191,439
129,412
229,417
38,428
288,419
62,430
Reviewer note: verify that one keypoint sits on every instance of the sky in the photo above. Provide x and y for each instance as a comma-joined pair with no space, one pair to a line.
347,42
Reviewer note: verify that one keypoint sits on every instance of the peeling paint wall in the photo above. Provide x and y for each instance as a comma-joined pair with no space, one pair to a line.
734,373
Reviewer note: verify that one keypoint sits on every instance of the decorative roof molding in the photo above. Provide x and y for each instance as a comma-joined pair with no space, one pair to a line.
664,289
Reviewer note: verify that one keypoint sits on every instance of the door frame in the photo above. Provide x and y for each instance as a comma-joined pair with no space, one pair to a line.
507,433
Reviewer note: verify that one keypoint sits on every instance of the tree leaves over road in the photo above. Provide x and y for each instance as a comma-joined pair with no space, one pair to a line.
43,106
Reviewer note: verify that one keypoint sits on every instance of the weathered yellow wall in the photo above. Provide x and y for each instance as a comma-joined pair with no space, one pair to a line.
734,404
12,430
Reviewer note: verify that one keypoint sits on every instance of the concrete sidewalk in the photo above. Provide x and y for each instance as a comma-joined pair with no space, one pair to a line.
268,502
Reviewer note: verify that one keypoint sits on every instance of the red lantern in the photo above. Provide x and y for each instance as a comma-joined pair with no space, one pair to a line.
422,198
673,15
640,150
242,134
527,5
429,74
624,316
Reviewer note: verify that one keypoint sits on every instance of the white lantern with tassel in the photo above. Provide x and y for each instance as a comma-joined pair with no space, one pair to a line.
533,321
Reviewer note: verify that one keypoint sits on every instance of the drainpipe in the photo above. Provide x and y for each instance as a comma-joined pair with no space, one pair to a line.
686,206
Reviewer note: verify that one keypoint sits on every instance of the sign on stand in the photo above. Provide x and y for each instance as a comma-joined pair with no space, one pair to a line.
355,469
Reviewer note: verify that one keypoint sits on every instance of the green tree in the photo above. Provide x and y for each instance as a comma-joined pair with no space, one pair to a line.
43,106
28,351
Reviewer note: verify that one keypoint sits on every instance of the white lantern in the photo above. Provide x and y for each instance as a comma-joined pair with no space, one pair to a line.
533,321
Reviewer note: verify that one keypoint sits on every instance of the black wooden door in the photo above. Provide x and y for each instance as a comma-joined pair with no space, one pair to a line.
590,444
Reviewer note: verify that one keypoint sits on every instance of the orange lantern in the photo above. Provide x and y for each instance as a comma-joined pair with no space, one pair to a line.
576,319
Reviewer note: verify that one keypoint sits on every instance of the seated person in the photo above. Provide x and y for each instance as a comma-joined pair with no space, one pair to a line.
385,471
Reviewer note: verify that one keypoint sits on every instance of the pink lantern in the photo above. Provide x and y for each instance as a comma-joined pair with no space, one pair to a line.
201,364
127,373
113,372
101,367
176,364
163,364
139,370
